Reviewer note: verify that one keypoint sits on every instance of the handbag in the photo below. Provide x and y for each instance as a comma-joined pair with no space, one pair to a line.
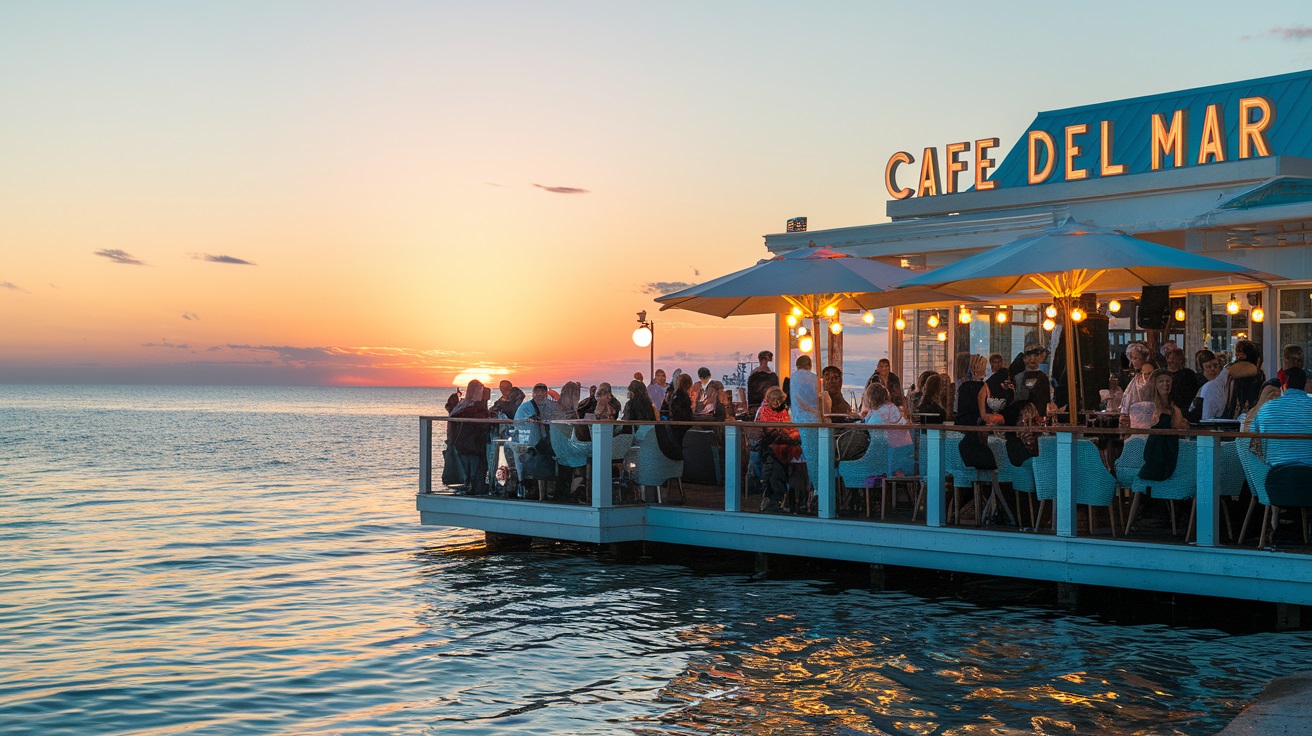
453,471
852,443
975,452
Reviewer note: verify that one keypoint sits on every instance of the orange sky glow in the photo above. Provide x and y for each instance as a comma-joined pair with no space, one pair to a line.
399,194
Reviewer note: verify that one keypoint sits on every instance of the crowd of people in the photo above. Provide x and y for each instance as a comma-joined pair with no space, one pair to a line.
1153,389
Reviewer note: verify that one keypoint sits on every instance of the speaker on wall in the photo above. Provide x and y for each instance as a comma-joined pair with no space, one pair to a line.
1154,307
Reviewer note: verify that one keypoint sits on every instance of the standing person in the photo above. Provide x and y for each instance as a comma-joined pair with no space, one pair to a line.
832,378
1031,387
699,388
664,407
1136,379
1244,380
529,427
508,404
470,439
888,379
808,407
656,389
759,381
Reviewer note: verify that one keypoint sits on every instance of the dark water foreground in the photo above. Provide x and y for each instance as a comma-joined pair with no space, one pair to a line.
233,561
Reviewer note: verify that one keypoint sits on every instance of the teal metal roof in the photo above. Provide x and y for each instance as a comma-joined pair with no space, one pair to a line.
1284,190
1290,133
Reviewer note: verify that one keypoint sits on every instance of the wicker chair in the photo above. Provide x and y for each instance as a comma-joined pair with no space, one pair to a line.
1021,478
961,474
1182,484
1094,484
653,467
1255,471
854,473
1129,462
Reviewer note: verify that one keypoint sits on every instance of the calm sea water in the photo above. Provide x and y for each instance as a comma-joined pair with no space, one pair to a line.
249,561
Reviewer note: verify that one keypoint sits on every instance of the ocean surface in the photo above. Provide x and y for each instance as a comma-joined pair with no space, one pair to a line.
183,560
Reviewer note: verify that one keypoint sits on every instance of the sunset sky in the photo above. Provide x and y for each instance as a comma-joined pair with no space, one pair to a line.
402,193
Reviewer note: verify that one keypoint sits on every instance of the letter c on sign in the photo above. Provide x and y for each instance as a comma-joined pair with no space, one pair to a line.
890,175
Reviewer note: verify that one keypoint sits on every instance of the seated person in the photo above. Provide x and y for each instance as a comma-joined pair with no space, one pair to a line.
832,379
778,448
712,406
930,409
881,410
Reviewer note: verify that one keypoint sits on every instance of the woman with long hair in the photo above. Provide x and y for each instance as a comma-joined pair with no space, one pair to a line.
930,410
639,407
1160,452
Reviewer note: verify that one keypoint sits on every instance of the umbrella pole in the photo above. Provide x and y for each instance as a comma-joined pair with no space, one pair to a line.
815,334
1068,328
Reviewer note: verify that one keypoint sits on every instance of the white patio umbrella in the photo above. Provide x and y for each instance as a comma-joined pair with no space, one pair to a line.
811,280
1071,258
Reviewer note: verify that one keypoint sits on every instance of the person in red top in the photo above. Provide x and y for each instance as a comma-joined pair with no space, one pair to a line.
777,449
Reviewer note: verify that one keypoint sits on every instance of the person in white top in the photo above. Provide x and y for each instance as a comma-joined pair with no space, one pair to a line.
880,409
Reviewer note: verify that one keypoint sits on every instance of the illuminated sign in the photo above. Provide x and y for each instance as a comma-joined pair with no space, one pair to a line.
1168,139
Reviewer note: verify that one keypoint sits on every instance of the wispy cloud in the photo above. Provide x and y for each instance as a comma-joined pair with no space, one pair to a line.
191,316
1284,33
119,256
562,190
661,288
165,344
13,287
221,259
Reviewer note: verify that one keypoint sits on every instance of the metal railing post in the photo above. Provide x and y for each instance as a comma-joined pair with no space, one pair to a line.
1064,510
824,483
935,509
425,455
732,470
1208,497
603,439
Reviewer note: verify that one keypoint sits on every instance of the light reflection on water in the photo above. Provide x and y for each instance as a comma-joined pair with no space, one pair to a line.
251,562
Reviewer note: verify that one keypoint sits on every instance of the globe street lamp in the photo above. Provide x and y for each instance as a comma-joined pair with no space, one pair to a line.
645,337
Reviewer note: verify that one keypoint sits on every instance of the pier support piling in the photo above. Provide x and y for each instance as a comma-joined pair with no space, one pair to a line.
1068,596
1289,617
876,577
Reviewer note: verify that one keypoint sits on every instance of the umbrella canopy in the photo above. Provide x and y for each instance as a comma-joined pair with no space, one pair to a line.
1072,258
811,279
1069,259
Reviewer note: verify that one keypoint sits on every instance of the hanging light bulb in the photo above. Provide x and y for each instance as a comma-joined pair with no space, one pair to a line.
831,310
836,327
942,336
933,320
1113,306
900,324
1180,315
1003,316
1259,314
1077,315
801,331
1048,324
964,316
805,344
791,320
797,311
868,318
1051,311
1232,306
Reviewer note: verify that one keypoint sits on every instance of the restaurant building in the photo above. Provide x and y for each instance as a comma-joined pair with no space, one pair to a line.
1223,171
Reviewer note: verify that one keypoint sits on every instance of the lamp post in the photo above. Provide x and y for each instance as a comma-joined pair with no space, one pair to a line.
645,337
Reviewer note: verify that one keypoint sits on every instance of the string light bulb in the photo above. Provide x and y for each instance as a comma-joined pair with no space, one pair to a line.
805,344
791,320
1050,312
1077,315
942,336
932,321
1002,317
868,318
797,311
1179,314
964,316
1232,306
1259,314
831,310
836,328
1113,306
801,331
899,324
1049,324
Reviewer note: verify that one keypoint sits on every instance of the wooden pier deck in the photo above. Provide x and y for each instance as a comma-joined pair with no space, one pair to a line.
723,517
